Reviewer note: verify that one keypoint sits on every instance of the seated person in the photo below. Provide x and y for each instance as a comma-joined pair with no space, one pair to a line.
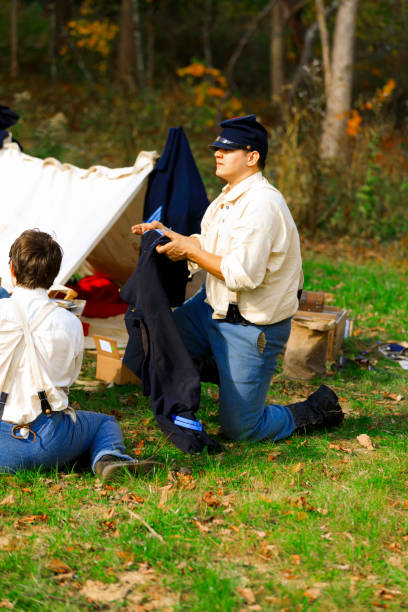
41,347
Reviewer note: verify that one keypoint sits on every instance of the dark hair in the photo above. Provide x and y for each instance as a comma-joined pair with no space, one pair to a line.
36,259
261,162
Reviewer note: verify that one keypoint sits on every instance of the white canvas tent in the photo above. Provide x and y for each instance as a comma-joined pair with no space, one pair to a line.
89,211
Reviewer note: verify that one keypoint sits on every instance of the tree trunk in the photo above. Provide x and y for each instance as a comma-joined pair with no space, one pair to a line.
339,99
126,43
276,52
324,37
13,41
307,51
137,32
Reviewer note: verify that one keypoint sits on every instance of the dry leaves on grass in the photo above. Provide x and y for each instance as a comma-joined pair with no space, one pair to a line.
395,561
165,492
6,604
313,593
62,572
247,595
340,448
30,519
393,396
10,543
365,441
58,567
133,587
8,501
127,558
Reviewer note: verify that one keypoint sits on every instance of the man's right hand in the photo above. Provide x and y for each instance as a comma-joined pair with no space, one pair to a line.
141,228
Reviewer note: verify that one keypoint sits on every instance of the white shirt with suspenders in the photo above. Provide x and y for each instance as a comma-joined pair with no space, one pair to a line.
41,348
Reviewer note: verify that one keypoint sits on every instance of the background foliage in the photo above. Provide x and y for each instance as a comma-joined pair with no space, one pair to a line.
76,86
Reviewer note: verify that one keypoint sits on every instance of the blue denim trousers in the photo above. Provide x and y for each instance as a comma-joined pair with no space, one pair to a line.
245,367
4,293
56,440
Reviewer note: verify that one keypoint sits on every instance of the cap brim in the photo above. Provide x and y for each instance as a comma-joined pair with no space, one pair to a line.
221,145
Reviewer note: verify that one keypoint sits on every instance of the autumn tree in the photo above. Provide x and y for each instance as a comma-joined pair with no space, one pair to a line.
338,71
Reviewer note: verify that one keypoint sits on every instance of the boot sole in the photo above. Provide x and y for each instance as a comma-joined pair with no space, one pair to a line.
117,468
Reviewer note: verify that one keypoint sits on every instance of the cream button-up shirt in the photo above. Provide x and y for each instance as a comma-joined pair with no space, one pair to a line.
58,342
251,228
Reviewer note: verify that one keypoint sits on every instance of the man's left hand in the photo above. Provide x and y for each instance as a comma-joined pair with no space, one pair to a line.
180,247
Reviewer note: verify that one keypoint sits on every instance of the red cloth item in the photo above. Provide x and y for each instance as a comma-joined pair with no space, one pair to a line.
102,296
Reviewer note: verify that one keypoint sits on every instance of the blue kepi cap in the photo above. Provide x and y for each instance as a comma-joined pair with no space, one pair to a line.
7,117
242,133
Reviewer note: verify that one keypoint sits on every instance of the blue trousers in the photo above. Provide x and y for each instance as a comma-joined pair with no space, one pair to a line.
4,293
246,357
59,440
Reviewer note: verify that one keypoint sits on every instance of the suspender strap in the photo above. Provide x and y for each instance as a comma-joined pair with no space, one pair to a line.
3,400
33,359
13,364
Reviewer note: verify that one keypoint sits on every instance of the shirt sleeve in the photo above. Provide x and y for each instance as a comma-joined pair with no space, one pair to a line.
258,240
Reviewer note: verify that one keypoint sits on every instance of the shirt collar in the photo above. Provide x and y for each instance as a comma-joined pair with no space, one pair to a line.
241,187
24,295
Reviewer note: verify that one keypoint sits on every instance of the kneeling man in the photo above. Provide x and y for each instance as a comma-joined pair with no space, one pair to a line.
41,347
249,247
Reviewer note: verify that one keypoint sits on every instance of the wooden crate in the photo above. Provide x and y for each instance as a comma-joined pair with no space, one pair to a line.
336,334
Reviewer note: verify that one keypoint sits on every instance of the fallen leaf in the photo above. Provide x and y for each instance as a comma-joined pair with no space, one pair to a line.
394,396
288,574
211,499
395,561
246,594
164,494
95,590
139,448
8,501
201,526
267,550
273,456
58,567
10,543
389,594
296,468
126,556
365,441
30,519
312,593
340,448
6,603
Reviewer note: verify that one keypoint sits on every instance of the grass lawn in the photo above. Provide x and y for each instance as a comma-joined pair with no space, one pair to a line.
315,522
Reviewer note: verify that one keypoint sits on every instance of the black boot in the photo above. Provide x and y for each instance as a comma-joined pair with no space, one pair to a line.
320,410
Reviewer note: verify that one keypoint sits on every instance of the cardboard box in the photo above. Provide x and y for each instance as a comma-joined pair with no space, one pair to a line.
337,333
109,364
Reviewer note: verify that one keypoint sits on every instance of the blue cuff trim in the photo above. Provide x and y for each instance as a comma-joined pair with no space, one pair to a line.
156,216
187,423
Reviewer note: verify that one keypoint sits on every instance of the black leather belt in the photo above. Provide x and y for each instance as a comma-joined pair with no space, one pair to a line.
234,316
